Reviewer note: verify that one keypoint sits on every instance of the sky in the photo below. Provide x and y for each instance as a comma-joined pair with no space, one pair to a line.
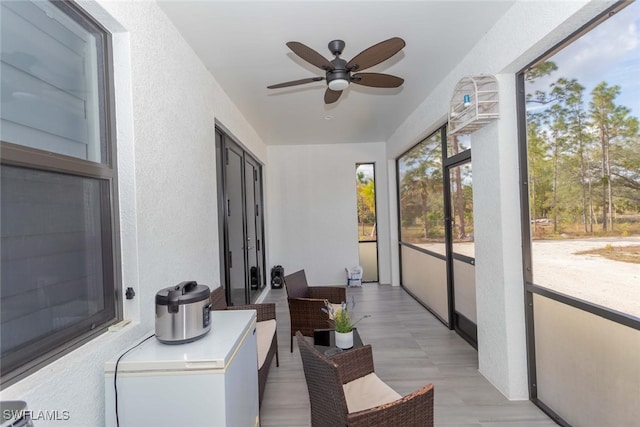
610,52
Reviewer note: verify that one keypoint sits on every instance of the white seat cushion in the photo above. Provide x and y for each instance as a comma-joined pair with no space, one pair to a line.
264,335
367,392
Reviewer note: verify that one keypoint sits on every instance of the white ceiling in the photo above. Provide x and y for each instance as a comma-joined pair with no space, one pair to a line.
242,43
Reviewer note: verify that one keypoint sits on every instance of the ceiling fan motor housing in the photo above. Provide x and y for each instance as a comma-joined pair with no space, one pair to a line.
339,72
336,47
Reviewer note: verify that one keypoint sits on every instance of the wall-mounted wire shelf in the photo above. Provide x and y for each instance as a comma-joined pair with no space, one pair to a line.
474,104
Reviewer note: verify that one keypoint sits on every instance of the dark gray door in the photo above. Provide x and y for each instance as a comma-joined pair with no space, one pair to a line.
237,272
241,226
253,242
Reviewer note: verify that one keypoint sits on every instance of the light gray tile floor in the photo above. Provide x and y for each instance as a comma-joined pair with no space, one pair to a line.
411,348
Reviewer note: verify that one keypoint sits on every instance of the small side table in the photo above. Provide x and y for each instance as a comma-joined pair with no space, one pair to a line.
324,340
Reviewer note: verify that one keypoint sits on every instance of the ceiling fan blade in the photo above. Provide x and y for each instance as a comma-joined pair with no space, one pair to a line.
296,82
310,55
331,96
376,54
376,80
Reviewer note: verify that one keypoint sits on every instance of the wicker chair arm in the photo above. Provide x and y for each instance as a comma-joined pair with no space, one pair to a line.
218,300
335,294
264,311
354,363
415,409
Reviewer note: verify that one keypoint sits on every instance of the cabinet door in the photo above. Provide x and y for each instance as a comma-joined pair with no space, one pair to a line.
241,383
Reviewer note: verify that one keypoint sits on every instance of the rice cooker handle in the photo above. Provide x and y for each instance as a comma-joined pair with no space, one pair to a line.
188,286
174,298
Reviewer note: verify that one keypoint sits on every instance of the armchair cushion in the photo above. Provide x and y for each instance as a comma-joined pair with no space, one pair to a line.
367,392
266,335
265,332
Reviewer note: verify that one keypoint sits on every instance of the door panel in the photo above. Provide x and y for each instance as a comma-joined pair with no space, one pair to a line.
463,252
251,239
235,223
259,229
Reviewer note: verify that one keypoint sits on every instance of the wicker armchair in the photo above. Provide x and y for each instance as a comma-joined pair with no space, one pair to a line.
306,303
264,313
345,391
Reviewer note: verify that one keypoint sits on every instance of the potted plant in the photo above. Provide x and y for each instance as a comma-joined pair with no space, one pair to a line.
342,321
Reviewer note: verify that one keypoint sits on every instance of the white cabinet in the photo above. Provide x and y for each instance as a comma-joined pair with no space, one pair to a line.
209,382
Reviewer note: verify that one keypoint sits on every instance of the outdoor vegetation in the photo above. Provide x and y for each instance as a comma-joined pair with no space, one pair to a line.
421,192
584,159
366,197
422,212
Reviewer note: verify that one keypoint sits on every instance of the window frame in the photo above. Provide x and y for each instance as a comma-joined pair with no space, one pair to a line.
530,287
53,346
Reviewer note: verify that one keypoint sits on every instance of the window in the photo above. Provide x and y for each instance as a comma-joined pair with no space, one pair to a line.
366,197
583,146
367,220
421,211
57,178
580,169
421,195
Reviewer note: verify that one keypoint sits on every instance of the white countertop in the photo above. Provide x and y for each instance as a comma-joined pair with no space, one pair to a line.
212,351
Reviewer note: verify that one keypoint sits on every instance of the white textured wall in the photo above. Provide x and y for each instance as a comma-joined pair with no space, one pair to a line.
166,106
526,31
499,278
311,194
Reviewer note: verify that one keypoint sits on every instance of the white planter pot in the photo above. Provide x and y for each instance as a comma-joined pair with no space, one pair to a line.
344,340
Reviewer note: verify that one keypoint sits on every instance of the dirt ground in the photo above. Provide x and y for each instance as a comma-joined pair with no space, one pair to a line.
613,284
590,277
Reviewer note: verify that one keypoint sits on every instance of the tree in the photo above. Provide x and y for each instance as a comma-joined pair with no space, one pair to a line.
570,92
421,179
611,121
365,188
556,121
458,196
538,144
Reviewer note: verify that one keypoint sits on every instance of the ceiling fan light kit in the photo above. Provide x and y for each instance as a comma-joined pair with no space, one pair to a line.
339,84
338,72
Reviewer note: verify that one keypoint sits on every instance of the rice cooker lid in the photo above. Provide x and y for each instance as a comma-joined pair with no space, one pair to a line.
183,293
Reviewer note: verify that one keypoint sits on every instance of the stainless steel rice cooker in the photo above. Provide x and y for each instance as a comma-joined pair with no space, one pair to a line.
182,313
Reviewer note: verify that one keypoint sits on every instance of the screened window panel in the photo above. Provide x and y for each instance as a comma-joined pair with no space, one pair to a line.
461,182
425,276
587,366
52,253
50,81
457,144
421,195
584,168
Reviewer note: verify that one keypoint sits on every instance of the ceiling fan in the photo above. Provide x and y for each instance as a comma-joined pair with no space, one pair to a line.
340,73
